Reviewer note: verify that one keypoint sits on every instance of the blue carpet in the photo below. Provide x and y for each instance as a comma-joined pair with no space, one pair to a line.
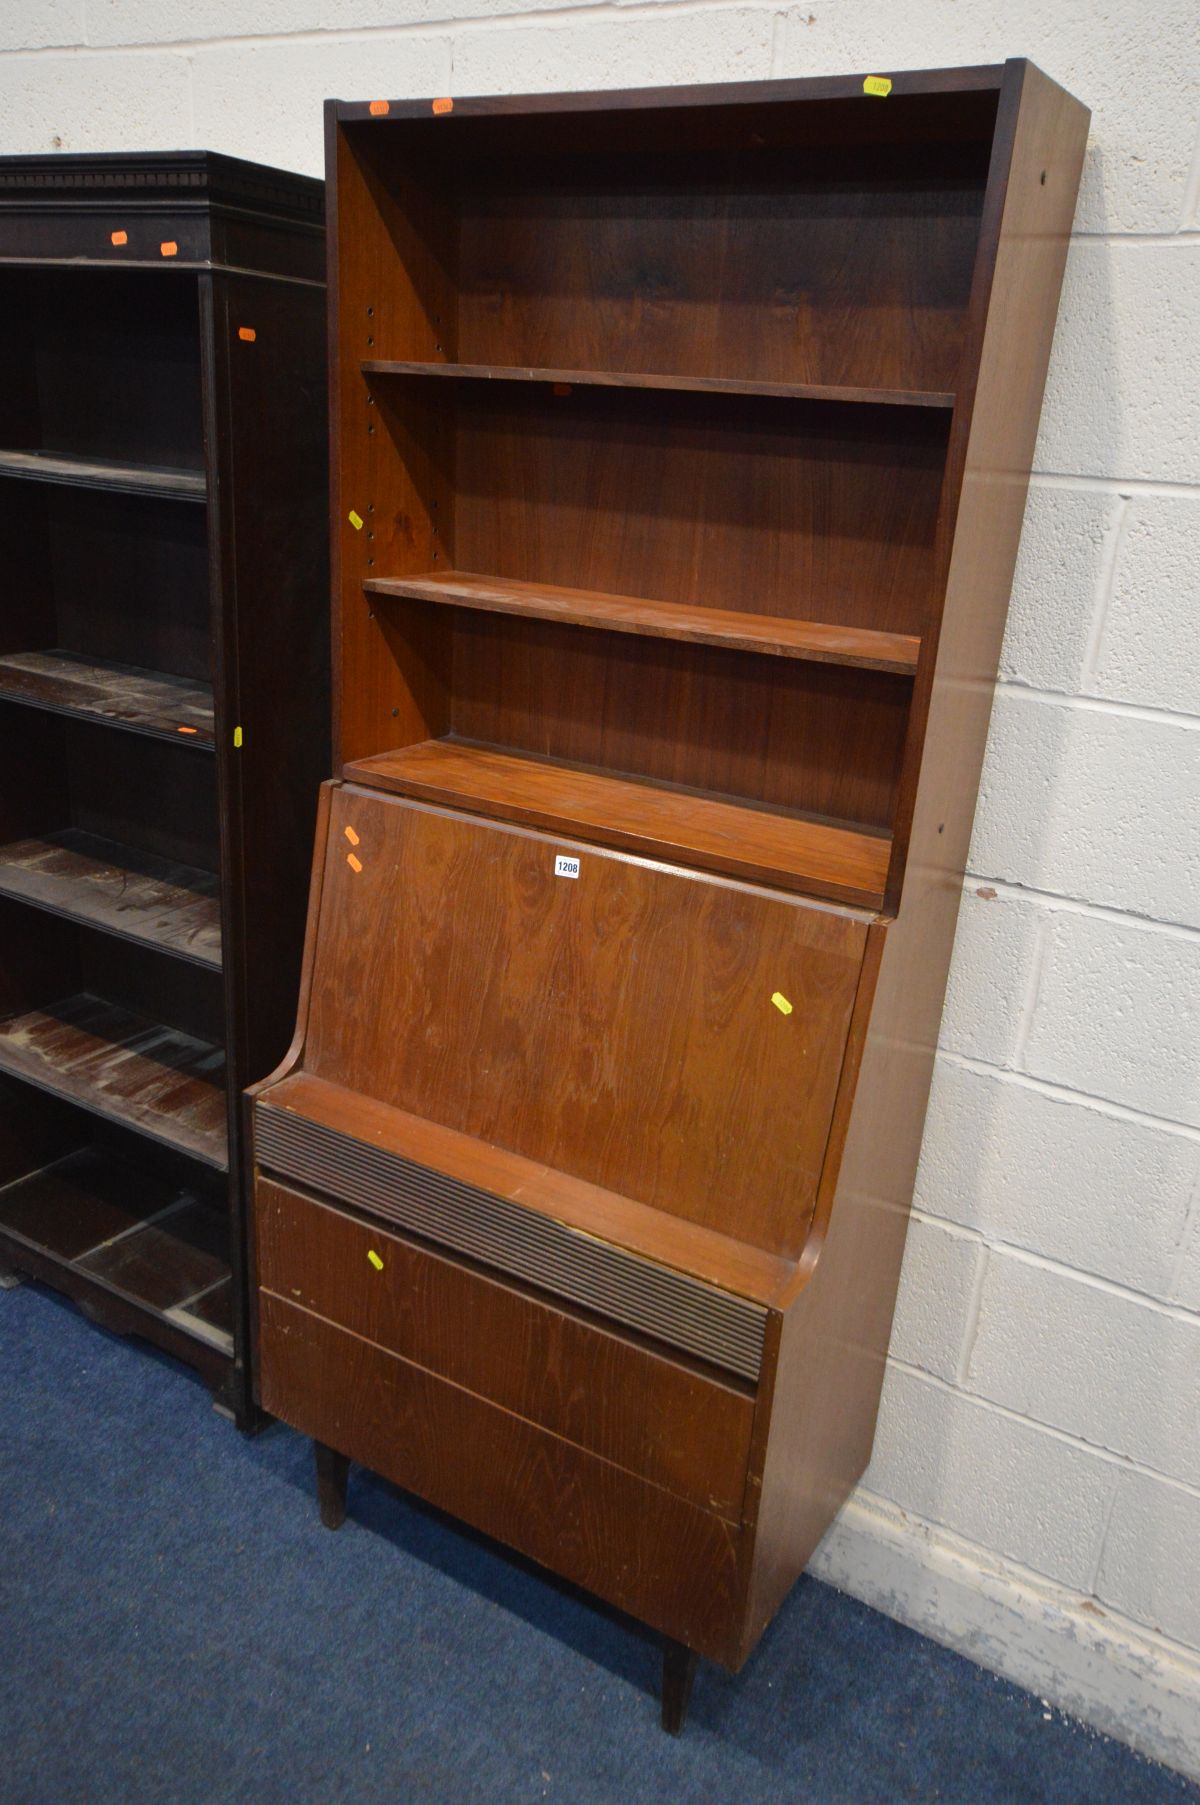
177,1629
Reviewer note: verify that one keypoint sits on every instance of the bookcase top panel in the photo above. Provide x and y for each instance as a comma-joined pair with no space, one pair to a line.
172,209
147,178
977,78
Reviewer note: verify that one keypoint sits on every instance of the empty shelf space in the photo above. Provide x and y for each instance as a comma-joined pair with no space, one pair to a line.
152,1078
814,641
99,473
119,889
680,826
125,696
706,385
158,1245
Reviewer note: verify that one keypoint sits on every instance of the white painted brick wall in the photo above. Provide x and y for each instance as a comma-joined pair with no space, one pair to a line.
1149,1568
1007,1485
1040,1408
1029,1169
1111,1369
1072,802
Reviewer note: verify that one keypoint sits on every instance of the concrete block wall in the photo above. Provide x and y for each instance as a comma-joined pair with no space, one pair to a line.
1035,1493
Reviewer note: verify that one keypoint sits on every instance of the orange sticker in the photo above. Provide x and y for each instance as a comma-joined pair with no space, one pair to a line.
120,237
248,333
169,248
351,835
187,730
443,106
354,864
378,108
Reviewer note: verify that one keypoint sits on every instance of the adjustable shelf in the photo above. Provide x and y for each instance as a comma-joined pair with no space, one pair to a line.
142,701
94,473
639,817
87,1051
636,379
771,635
158,757
174,907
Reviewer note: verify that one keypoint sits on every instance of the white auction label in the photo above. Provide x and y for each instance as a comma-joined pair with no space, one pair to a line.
565,867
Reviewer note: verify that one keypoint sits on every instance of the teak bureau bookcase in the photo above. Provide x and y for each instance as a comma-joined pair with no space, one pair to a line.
681,441
164,713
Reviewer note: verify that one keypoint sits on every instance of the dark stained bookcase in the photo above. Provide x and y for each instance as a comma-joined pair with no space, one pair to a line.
163,715
680,446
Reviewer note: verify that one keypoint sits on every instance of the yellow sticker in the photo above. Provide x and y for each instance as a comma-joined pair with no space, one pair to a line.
781,1003
354,864
878,84
351,835
375,1260
355,520
237,736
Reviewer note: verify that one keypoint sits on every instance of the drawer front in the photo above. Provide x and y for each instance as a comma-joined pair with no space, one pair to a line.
652,1415
667,1562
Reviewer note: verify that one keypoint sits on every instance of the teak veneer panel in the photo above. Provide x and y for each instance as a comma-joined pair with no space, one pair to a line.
634,1543
525,505
683,1430
638,817
816,641
655,1234
616,1026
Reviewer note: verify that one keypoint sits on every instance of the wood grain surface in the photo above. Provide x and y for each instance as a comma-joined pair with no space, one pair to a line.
690,829
618,1027
649,1413
642,1548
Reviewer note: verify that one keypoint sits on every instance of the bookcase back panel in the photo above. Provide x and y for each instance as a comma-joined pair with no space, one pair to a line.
805,736
618,1025
760,242
51,959
106,567
136,791
737,265
98,371
773,507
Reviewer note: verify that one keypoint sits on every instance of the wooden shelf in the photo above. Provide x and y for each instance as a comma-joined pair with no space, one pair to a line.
123,1232
700,385
769,634
142,701
680,826
120,889
98,473
151,1078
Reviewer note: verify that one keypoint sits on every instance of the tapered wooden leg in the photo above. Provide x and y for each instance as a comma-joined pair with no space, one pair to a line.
333,1470
679,1670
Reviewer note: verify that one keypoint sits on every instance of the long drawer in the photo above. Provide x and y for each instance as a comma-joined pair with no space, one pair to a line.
647,1551
669,1423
